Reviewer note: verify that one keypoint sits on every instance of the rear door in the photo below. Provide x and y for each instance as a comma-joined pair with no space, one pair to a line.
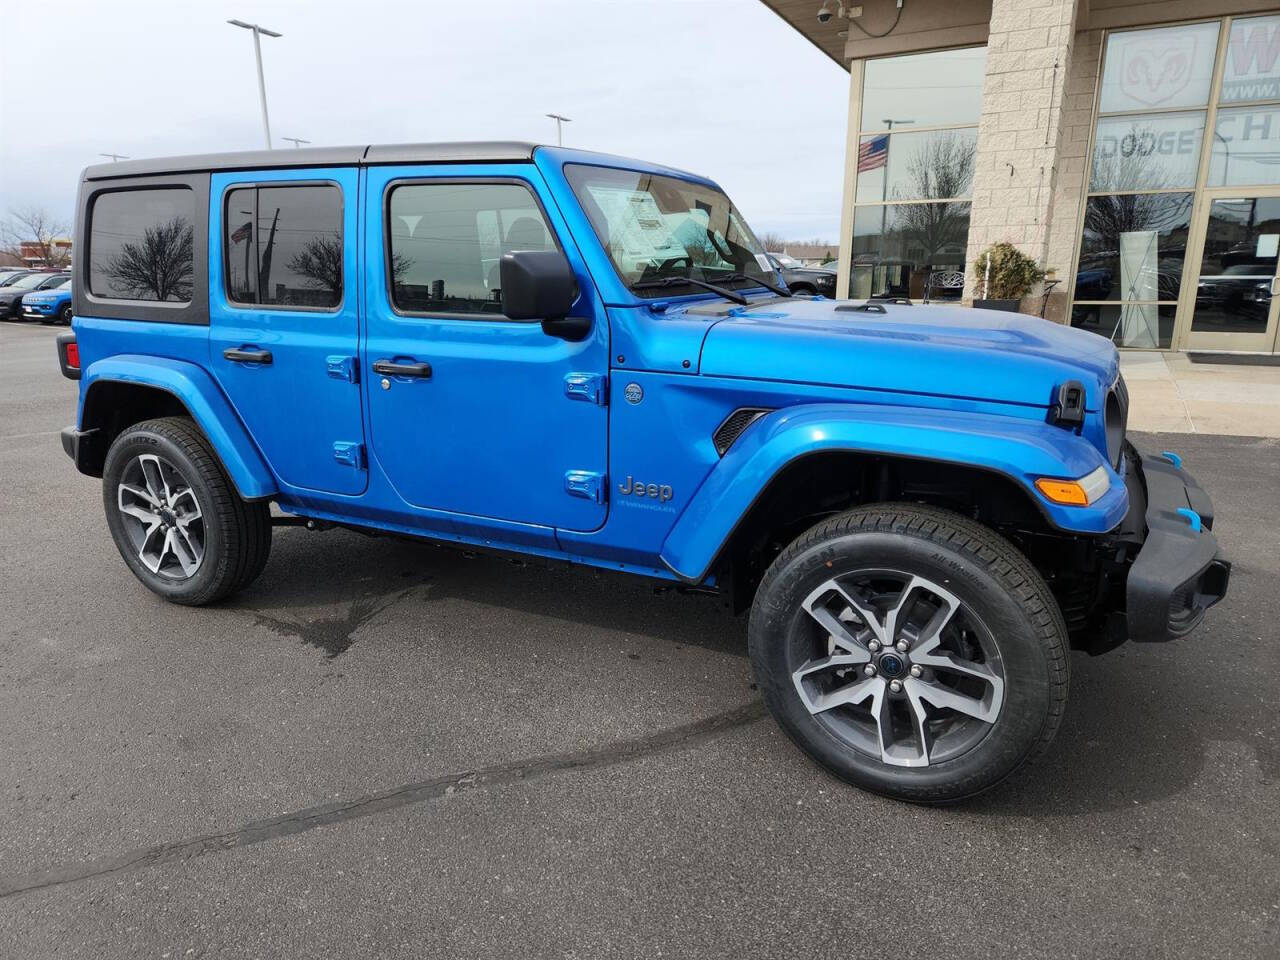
284,319
493,418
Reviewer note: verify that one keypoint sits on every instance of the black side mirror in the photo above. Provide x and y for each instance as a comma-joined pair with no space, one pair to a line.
540,285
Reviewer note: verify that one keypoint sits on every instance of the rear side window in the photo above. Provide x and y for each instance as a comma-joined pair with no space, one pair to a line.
446,241
141,245
282,246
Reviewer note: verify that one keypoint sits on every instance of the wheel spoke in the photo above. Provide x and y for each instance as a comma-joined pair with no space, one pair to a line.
138,492
146,516
153,562
984,709
848,695
180,547
187,494
931,633
838,630
154,477
947,661
866,613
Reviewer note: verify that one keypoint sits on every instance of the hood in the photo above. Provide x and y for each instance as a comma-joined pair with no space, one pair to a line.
811,271
949,351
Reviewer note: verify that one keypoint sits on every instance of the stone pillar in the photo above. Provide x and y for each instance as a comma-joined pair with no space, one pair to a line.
1020,175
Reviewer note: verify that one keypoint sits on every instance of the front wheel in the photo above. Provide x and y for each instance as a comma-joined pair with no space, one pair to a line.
64,315
910,651
175,517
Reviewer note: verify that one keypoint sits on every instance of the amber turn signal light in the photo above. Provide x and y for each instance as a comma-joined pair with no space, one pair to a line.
1066,492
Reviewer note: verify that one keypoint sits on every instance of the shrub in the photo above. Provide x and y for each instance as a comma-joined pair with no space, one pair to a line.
1013,273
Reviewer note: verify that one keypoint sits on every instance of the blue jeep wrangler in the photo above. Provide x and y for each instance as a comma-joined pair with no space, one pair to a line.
590,359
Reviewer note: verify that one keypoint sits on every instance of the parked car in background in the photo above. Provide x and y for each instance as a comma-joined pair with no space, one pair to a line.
804,280
50,304
8,277
11,296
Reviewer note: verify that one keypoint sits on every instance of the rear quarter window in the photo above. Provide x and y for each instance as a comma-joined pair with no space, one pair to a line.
142,245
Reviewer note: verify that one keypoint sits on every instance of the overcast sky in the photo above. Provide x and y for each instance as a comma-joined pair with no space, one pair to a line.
721,87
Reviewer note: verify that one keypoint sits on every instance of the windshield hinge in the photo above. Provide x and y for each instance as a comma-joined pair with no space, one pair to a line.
591,387
586,484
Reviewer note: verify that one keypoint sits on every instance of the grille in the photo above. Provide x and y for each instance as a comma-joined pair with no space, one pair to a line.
734,424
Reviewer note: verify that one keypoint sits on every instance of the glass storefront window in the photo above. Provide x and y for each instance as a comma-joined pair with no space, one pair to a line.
940,88
1133,246
1138,325
897,247
1161,68
1154,152
936,164
1252,70
1246,147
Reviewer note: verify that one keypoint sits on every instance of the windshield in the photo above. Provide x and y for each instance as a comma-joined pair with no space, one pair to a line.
30,280
656,227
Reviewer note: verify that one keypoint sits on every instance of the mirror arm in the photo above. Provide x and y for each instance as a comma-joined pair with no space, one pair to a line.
568,328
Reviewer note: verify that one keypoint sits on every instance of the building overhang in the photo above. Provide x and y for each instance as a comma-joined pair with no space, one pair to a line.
935,24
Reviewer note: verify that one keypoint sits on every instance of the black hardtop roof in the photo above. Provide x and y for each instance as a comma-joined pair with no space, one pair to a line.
495,151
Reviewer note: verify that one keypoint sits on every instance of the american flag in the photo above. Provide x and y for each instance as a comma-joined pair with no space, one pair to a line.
873,153
244,233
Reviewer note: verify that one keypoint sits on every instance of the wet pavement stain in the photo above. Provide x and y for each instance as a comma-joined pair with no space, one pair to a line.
334,635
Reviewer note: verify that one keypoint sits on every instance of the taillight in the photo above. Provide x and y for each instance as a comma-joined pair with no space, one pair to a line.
69,356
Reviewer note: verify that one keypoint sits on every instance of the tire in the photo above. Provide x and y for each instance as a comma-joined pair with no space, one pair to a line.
175,517
982,685
804,290
64,315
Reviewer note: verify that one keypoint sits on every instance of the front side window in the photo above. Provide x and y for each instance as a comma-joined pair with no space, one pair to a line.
663,229
283,245
141,245
446,241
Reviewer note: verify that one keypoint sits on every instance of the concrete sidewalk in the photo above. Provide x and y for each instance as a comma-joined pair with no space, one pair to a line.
1170,394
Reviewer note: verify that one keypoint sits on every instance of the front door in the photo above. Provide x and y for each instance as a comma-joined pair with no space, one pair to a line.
1237,293
284,319
471,413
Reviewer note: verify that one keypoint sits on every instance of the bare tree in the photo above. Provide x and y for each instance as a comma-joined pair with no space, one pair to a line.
321,263
160,267
39,231
772,242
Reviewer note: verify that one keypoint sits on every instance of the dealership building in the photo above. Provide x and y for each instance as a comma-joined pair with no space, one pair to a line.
1132,149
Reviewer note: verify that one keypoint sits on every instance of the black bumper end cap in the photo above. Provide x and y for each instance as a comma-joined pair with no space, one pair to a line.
1179,573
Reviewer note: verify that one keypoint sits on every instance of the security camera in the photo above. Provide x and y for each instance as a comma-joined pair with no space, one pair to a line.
824,13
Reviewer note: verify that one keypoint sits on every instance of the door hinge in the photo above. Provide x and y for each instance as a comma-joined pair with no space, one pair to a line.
585,484
342,368
591,387
351,454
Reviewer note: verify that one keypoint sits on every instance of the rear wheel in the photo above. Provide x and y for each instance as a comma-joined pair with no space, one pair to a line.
175,516
910,651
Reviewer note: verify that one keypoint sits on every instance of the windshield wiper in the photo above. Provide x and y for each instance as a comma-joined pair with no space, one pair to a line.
674,281
772,288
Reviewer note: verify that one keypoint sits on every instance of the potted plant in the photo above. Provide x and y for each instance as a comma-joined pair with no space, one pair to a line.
1011,277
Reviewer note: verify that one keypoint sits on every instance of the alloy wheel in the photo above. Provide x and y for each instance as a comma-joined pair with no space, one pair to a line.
162,517
896,666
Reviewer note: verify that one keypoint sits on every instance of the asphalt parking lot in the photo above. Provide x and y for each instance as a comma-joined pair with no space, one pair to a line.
389,749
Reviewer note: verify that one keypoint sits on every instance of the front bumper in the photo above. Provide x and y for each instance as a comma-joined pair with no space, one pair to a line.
1179,572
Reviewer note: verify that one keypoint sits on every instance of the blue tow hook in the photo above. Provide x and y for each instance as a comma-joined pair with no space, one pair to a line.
1193,518
1172,458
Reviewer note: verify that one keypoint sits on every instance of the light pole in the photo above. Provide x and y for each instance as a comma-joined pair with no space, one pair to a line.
262,84
560,121
296,141
114,156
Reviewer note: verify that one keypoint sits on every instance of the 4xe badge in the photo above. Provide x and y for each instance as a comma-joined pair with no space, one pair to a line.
633,392
656,491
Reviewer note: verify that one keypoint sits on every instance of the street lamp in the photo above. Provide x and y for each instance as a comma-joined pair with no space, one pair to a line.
560,121
296,141
262,84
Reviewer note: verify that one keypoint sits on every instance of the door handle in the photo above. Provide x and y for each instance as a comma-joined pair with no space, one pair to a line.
1274,281
413,368
248,355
